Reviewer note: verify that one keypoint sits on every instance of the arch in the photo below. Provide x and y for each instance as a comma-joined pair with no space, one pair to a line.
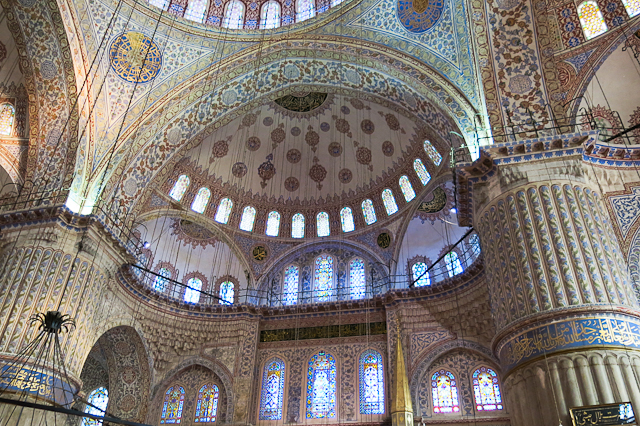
453,264
233,15
192,292
419,274
444,390
297,226
305,9
591,19
272,393
322,224
357,279
202,199
179,188
371,380
160,284
321,387
99,399
7,119
173,405
248,218
227,292
421,171
273,224
270,15
207,404
323,278
389,201
369,212
486,390
407,189
290,286
432,152
224,210
346,219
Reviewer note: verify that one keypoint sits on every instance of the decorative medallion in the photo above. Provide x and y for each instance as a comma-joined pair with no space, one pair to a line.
191,233
123,348
437,208
384,240
3,52
436,204
253,143
357,103
220,149
48,70
239,169
367,126
267,121
317,173
324,126
345,110
294,156
277,135
392,121
127,403
418,16
291,184
266,171
335,149
312,138
259,253
363,155
128,60
129,375
345,176
302,102
248,120
342,126
295,131
387,148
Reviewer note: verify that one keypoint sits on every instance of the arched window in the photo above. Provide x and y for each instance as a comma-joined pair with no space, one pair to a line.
98,399
195,10
305,9
420,276
486,390
454,267
346,218
248,217
297,226
201,201
179,188
160,283
591,19
389,202
322,224
321,387
433,154
173,404
474,242
290,288
227,293
334,3
369,212
207,405
357,281
271,398
371,383
407,189
270,15
233,15
224,210
192,292
421,171
444,392
162,4
632,6
323,279
7,117
273,224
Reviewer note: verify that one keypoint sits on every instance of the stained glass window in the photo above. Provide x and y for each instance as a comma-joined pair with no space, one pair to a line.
444,392
632,6
336,2
227,293
162,4
192,292
297,226
371,383
421,171
7,116
290,288
591,19
346,218
195,10
248,217
357,282
454,267
207,405
270,15
486,390
369,212
420,277
433,154
474,242
407,189
179,188
98,399
271,398
160,283
233,15
172,407
273,224
322,224
321,387
201,201
305,9
389,202
224,210
323,283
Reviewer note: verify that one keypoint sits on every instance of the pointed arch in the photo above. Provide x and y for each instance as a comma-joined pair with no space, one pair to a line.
172,406
452,261
372,394
179,188
420,275
486,390
234,15
321,387
207,404
444,390
432,152
202,199
272,394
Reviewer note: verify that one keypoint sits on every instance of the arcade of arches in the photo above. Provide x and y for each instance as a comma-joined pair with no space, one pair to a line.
357,212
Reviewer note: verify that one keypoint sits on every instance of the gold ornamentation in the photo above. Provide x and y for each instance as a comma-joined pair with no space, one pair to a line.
302,102
384,240
259,253
436,204
323,332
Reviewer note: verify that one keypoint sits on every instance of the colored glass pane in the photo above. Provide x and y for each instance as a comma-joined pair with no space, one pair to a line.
233,15
371,383
420,276
173,404
346,218
7,116
591,19
207,405
486,390
444,392
160,283
179,188
162,4
323,282
305,9
271,398
227,293
433,154
248,217
322,224
201,201
336,2
192,292
290,293
273,224
357,282
321,387
407,189
389,202
98,399
632,6
270,15
454,267
224,210
195,10
297,226
421,171
369,212
474,242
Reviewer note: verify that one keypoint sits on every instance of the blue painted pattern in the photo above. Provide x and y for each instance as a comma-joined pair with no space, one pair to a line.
419,22
321,387
127,57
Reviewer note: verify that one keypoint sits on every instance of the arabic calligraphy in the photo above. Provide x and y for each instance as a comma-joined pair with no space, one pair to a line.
603,415
323,332
24,379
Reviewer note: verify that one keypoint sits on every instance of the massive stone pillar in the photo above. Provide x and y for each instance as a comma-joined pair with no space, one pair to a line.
566,314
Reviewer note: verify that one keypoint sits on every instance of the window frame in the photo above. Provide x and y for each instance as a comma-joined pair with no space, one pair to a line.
236,288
